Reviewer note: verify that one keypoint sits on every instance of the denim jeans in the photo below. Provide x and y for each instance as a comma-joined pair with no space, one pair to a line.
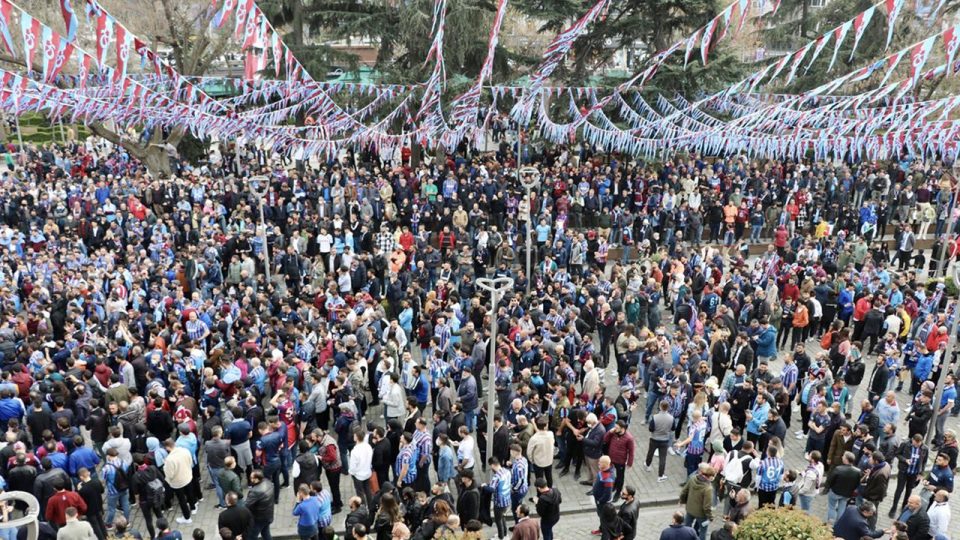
121,498
805,502
547,530
307,532
836,504
215,478
470,418
699,524
272,471
258,529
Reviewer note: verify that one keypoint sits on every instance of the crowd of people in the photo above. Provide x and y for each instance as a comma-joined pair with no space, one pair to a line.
161,345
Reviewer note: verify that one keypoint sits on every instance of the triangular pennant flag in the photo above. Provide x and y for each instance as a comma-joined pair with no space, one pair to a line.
918,58
744,13
779,68
797,58
104,35
30,29
50,42
83,70
277,51
821,43
225,10
69,19
243,12
124,42
951,40
63,56
250,29
755,80
839,33
691,42
892,62
893,11
707,38
859,26
5,9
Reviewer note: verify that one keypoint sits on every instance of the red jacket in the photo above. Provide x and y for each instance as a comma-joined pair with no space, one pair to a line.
58,504
620,448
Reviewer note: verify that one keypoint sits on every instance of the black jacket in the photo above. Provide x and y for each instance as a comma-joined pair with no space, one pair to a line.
92,493
878,379
628,513
468,504
236,518
260,501
919,419
918,525
843,480
548,506
360,516
904,452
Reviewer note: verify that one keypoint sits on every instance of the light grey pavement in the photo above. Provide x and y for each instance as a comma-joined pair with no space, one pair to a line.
577,506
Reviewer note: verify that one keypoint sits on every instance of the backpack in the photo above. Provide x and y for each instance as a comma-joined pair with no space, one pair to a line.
120,480
156,493
733,470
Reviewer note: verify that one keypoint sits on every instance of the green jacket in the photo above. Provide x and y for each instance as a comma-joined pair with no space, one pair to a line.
697,495
229,481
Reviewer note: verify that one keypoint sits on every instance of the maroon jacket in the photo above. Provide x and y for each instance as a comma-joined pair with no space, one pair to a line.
620,448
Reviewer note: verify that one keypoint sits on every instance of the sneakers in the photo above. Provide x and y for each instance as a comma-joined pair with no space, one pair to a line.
801,437
662,478
183,521
798,432
195,509
647,468
672,451
595,532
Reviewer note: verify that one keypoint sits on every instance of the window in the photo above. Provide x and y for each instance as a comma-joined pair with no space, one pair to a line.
818,3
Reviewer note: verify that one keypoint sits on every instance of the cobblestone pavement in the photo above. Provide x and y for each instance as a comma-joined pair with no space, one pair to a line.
577,506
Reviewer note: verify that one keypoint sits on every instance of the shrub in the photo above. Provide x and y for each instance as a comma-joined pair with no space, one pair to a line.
784,523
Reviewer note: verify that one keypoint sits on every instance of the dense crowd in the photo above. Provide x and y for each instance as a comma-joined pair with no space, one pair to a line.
148,359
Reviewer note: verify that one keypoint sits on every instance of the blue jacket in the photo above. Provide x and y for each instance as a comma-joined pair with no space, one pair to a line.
853,526
767,342
309,512
679,532
468,394
924,367
82,457
445,464
11,408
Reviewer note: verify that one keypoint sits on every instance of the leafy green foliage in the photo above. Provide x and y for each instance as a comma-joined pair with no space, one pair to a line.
650,24
403,34
784,523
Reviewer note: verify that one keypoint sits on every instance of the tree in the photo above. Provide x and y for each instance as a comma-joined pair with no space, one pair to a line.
182,28
651,24
403,34
317,57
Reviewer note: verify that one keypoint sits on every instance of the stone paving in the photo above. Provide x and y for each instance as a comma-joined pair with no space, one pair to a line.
577,507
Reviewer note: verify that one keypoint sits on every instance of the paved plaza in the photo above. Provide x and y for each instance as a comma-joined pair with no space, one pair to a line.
578,508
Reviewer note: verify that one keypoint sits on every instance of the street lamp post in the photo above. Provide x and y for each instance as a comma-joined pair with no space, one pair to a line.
496,287
529,179
258,186
944,363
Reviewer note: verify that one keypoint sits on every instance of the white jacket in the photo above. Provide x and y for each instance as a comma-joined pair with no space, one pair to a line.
178,467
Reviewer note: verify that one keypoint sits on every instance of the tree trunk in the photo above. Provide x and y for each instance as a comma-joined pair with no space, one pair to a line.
296,10
156,161
804,13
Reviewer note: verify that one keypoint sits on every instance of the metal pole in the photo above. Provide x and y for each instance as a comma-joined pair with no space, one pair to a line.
261,193
529,202
944,363
529,179
496,288
949,232
16,119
